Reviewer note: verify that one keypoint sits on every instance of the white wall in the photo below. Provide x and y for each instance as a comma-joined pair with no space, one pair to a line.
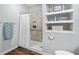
9,13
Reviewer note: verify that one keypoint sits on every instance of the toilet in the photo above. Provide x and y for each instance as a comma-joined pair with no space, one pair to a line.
63,52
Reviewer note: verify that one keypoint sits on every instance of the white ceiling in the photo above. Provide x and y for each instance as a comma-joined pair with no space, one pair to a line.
30,5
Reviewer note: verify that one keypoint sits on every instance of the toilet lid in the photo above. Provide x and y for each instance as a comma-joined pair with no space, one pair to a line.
62,52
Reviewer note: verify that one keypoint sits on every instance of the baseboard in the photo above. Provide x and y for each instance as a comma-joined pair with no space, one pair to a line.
9,50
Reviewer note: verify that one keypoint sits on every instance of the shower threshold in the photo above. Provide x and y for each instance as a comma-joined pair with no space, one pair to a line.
37,47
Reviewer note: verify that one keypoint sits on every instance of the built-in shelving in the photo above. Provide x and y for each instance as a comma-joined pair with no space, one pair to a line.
54,22
59,12
59,21
59,31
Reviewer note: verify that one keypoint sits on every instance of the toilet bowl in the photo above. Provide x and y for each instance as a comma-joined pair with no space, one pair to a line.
63,52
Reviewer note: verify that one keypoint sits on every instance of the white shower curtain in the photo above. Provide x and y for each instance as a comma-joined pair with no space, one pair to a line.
24,31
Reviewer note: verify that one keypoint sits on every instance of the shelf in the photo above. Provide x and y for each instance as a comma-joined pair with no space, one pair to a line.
53,22
60,12
59,31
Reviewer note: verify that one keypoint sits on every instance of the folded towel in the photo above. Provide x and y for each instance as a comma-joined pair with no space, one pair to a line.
8,31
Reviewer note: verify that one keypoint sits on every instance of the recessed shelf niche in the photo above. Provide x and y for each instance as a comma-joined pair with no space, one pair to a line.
50,7
59,17
60,27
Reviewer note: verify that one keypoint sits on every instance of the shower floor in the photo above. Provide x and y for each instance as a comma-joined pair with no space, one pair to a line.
36,45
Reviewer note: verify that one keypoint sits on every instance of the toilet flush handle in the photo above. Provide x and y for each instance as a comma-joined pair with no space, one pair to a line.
51,37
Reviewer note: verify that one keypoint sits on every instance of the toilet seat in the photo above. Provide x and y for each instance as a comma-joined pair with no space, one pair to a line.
63,52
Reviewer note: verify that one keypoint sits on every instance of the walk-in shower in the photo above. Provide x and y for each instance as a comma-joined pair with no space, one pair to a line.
36,27
31,28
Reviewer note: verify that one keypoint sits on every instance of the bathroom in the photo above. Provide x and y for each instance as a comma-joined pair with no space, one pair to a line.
43,31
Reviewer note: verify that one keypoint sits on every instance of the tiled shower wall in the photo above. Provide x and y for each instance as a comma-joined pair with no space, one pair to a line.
36,33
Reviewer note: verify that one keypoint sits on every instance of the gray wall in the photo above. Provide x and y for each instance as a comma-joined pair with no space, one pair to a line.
76,29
